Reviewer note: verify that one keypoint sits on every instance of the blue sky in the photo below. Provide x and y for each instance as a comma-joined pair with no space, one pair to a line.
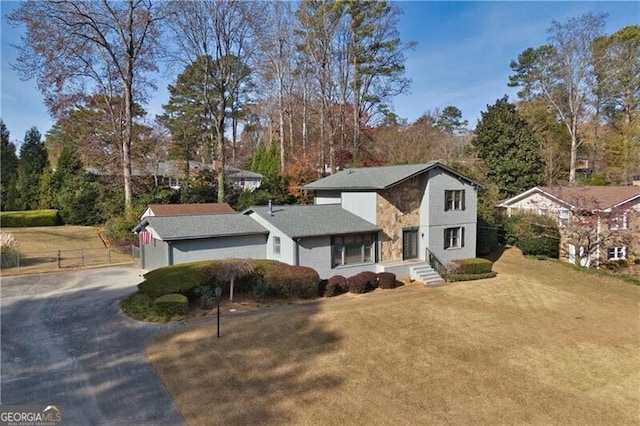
462,57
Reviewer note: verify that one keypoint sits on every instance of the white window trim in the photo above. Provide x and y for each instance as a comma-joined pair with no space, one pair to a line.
619,253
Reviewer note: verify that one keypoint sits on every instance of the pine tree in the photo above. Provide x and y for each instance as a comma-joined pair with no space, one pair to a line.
8,171
31,166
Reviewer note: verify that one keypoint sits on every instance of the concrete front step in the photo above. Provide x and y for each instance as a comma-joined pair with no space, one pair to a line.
426,274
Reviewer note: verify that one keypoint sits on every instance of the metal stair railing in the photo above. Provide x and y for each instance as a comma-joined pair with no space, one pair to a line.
436,264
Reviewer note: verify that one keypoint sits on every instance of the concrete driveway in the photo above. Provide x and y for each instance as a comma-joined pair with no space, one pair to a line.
64,342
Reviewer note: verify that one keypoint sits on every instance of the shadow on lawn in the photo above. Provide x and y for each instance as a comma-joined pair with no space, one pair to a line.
262,370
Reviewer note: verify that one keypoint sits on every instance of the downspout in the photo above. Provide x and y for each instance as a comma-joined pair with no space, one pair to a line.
296,252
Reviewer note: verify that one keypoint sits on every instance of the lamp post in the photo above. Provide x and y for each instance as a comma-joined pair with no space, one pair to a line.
218,294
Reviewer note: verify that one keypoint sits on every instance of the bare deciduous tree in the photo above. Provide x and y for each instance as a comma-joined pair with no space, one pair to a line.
76,48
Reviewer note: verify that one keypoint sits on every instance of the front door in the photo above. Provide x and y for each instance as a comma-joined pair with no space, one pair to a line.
409,243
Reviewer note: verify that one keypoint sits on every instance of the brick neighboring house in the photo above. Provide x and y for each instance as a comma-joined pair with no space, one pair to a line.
597,223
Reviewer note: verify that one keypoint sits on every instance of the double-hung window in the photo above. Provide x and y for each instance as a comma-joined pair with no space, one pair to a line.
276,245
618,221
453,238
454,199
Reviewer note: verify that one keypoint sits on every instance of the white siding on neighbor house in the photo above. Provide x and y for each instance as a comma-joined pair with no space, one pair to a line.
437,219
242,246
361,204
535,203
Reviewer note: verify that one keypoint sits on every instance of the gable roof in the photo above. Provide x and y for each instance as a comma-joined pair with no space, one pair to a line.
189,209
377,178
169,228
600,198
313,220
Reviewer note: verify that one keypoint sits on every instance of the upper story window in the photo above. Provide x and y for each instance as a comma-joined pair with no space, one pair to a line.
454,199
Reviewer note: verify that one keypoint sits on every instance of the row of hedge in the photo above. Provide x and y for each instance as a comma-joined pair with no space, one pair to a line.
262,278
30,218
469,269
359,283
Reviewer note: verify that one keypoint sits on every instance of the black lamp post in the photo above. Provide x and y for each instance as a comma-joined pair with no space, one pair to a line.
218,294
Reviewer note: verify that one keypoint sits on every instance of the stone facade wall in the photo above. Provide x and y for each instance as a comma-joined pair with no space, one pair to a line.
398,208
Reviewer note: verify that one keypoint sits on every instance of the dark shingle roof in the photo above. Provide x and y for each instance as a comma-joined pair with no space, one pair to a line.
203,226
313,220
375,178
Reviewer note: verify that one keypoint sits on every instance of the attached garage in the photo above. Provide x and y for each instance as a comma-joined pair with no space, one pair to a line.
179,239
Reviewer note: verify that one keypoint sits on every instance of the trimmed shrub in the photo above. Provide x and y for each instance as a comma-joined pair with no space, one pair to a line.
172,304
470,266
30,218
205,296
336,285
370,277
358,284
387,280
292,281
469,277
181,279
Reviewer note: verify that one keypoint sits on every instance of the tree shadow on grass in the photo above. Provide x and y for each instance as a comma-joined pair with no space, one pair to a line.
264,369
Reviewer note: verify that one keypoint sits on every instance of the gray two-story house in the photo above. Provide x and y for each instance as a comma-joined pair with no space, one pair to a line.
391,218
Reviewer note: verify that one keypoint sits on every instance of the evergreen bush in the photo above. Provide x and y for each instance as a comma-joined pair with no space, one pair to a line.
30,218
172,304
336,285
387,280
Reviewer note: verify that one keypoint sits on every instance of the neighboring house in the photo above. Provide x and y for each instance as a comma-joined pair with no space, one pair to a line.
172,173
596,222
393,218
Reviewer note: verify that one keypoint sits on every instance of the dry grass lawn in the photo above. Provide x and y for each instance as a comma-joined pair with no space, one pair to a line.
38,247
539,344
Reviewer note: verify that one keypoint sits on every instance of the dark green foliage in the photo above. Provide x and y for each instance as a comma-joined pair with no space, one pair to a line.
533,234
172,304
359,284
181,279
30,218
508,149
118,231
8,171
336,285
292,281
470,266
387,280
32,164
75,193
487,238
469,277
140,307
